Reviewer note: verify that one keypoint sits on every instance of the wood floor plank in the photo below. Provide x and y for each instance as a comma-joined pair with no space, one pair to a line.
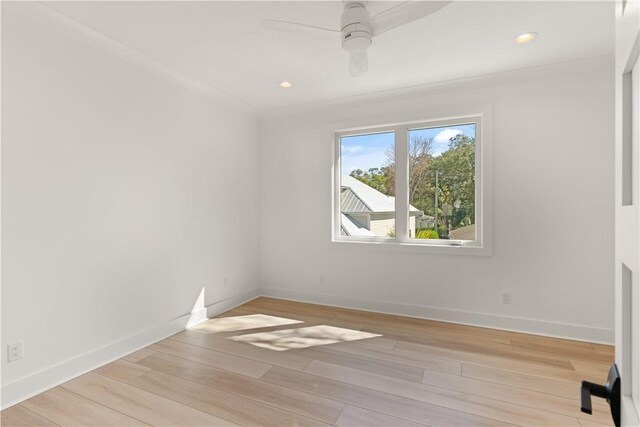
365,319
451,327
65,408
454,330
381,342
228,362
517,379
226,405
140,354
477,347
352,416
588,423
441,337
573,353
504,393
277,358
430,328
122,370
604,349
545,340
406,358
598,369
19,416
142,405
325,410
476,405
493,361
382,367
389,404
550,342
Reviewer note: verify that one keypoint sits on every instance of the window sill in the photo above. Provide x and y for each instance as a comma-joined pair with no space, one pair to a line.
469,249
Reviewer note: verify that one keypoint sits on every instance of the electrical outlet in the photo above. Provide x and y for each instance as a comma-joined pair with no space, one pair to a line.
323,279
14,351
506,297
225,283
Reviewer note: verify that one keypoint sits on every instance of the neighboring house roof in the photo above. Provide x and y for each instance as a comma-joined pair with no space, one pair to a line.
350,202
351,228
467,232
359,197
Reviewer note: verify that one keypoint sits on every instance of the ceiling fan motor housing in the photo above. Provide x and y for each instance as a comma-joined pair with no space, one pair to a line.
356,34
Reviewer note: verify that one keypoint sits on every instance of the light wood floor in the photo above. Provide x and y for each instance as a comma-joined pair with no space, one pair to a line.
415,373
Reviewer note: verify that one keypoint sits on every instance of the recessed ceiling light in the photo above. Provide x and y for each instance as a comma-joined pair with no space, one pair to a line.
525,38
285,85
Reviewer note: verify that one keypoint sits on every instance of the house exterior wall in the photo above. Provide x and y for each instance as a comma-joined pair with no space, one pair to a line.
360,219
382,224
412,226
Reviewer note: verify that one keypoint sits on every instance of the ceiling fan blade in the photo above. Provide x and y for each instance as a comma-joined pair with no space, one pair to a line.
295,27
358,63
403,13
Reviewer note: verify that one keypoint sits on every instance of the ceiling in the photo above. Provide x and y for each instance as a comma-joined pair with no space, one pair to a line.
222,44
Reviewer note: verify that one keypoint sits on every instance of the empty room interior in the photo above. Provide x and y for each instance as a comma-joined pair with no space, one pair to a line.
320,213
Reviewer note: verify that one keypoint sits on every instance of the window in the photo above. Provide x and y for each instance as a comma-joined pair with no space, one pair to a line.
410,184
367,205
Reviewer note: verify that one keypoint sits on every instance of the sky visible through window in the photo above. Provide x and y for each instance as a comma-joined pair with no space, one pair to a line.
371,151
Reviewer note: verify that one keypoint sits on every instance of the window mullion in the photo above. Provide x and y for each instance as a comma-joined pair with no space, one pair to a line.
402,184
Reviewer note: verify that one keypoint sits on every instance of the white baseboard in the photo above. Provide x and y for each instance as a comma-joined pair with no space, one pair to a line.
26,387
515,324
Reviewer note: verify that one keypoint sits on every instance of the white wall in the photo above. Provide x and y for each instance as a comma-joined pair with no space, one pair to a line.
123,195
552,208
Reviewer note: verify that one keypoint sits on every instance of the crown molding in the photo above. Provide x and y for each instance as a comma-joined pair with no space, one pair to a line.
83,33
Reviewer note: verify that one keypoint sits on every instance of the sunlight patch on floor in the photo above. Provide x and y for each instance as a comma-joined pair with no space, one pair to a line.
239,323
302,337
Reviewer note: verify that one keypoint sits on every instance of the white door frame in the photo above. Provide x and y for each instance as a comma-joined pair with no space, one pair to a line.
627,209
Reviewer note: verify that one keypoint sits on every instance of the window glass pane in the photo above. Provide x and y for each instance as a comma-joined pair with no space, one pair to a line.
442,183
367,185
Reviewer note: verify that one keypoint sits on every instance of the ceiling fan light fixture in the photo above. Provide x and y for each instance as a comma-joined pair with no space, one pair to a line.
356,34
358,28
356,42
526,37
285,85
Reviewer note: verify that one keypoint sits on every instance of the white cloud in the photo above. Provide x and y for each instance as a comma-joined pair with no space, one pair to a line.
352,149
445,135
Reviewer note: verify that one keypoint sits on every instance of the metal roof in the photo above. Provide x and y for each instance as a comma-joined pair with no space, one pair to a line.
351,203
374,200
362,198
464,233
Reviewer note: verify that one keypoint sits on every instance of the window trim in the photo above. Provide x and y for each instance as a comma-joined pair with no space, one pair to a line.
482,245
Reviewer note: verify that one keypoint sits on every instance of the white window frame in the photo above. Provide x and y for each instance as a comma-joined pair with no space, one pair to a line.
482,244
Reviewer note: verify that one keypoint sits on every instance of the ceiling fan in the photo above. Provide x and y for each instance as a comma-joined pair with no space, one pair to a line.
358,29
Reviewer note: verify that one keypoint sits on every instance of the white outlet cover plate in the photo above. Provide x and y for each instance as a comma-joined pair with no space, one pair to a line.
14,351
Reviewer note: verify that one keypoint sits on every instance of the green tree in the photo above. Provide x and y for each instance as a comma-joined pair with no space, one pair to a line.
456,176
420,158
378,178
